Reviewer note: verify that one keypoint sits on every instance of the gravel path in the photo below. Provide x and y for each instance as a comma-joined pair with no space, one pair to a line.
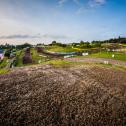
99,60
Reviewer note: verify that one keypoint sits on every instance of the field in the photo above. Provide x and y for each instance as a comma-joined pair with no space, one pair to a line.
3,63
46,95
53,91
60,49
36,56
101,54
108,55
19,57
50,52
118,56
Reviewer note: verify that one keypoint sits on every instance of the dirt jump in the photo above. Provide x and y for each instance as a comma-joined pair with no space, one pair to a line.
70,96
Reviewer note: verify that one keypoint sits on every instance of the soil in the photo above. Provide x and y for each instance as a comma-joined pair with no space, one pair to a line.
70,96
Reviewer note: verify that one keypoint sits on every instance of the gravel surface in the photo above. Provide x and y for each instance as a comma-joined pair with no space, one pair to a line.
70,96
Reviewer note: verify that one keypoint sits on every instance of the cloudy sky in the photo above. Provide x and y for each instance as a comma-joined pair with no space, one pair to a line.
43,21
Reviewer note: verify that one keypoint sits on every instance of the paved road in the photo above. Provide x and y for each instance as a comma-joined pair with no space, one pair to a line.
99,60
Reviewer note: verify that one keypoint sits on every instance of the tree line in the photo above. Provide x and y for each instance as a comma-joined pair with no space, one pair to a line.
81,44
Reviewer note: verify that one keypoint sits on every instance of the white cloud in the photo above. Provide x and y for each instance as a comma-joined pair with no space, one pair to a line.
18,36
100,1
53,36
90,5
26,36
95,3
61,2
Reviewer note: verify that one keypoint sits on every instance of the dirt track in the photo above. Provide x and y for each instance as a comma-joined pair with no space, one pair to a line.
49,96
99,60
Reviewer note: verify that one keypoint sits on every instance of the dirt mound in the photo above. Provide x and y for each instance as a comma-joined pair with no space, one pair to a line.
45,95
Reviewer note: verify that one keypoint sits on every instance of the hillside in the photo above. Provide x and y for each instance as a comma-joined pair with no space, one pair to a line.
60,96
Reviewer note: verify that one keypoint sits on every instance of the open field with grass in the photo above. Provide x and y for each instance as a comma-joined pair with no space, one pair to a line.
60,49
36,56
86,61
19,57
104,54
40,58
118,56
4,71
82,90
77,95
3,63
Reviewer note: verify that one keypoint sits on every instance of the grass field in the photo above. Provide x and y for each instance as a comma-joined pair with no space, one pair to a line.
3,63
60,49
4,71
62,63
124,45
36,57
67,63
19,57
103,54
118,56
3,66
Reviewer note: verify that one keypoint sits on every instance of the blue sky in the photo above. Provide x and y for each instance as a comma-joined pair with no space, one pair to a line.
43,21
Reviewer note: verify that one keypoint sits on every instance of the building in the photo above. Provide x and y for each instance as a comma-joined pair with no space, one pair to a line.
1,54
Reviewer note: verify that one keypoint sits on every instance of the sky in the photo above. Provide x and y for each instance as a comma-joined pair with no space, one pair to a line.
42,21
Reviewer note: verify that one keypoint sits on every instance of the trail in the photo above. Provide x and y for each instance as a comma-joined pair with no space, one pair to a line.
99,60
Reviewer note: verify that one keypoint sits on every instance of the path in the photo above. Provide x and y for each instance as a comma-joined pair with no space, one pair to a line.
99,60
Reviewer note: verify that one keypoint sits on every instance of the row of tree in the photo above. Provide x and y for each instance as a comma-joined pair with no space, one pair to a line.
8,46
82,44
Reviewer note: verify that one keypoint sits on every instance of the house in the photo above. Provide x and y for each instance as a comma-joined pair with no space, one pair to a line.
1,54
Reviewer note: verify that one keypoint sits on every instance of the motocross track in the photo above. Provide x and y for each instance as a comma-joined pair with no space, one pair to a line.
99,60
63,96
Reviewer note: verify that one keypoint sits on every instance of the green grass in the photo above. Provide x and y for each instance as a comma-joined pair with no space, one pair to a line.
104,54
60,49
63,63
66,63
4,71
35,56
124,45
19,56
118,56
3,63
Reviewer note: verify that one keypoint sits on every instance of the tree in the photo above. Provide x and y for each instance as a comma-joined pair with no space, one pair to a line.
25,45
7,53
84,44
54,43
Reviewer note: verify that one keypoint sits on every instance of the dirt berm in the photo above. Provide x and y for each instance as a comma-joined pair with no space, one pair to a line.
69,96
